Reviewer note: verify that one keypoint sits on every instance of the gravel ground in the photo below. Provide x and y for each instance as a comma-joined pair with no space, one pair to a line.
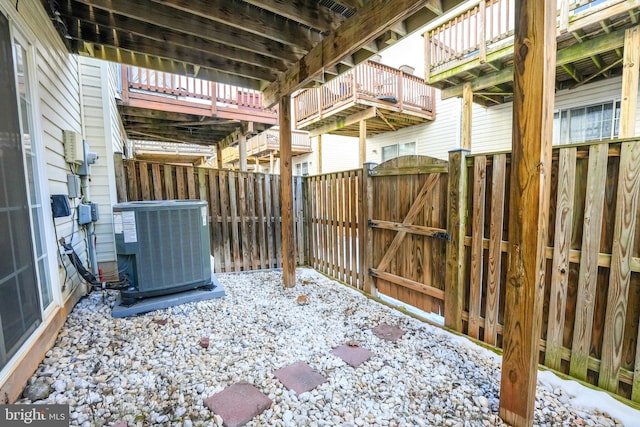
151,370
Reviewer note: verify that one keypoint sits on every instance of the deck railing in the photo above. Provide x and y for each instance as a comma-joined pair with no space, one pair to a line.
171,147
486,26
230,154
191,88
369,80
270,140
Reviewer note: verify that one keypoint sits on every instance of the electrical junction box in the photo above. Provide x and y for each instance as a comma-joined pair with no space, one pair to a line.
60,205
73,186
84,213
95,215
73,147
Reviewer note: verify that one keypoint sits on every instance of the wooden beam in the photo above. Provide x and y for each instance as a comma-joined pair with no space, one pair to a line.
187,23
307,12
567,55
625,222
286,194
247,18
467,109
219,156
534,80
173,66
135,27
342,122
370,22
363,141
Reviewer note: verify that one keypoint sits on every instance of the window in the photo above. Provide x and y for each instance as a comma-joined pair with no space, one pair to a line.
31,162
590,123
396,150
302,169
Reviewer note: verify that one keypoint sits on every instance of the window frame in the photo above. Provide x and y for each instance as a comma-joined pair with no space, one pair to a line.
558,127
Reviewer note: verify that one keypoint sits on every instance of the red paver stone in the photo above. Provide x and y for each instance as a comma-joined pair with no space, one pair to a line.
354,356
388,332
238,404
299,377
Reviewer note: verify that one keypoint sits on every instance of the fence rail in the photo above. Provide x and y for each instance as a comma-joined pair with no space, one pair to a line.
244,209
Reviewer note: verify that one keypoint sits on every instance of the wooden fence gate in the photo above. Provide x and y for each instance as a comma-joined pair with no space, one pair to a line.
407,222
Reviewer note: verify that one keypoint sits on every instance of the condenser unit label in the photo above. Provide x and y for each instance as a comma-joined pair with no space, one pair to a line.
129,227
203,211
117,222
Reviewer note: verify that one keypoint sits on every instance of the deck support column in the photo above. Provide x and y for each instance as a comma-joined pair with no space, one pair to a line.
271,163
363,141
467,112
319,161
533,97
219,156
286,194
242,149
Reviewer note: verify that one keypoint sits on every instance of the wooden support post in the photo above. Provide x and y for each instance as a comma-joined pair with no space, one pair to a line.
219,156
482,36
121,181
242,150
456,228
365,238
319,161
467,108
363,141
534,78
271,163
286,194
624,224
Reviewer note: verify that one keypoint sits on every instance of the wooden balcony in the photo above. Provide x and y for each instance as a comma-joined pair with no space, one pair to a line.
387,98
172,108
476,45
268,142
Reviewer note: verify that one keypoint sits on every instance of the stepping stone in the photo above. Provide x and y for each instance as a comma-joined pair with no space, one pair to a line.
354,356
388,332
299,377
238,404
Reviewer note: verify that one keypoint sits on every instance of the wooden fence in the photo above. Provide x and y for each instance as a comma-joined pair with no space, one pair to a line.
592,294
386,230
244,209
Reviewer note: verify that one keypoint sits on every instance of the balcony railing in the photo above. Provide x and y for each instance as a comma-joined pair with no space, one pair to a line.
230,154
156,147
487,26
269,140
191,88
371,81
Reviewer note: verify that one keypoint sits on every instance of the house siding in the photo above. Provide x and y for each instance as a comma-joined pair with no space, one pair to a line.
57,96
433,139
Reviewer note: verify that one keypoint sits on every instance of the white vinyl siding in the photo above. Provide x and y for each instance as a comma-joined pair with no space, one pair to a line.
434,139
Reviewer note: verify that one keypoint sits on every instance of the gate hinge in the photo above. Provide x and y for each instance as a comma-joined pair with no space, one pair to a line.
442,235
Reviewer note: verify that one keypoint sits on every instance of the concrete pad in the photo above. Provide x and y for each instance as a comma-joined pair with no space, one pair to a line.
238,404
388,332
354,356
170,300
299,377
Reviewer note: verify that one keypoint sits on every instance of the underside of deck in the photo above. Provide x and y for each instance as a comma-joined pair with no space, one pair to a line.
380,117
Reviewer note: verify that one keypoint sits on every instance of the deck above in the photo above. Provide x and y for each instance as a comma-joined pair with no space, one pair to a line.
387,98
172,108
264,146
476,45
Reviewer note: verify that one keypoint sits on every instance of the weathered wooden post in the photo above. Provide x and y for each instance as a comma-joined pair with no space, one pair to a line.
286,194
365,233
533,96
456,228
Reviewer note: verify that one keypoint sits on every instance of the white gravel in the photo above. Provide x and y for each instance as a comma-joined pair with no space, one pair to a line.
144,371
